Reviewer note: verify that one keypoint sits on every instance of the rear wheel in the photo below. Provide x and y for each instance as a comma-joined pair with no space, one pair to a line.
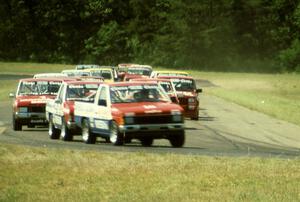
147,142
16,125
87,136
53,132
177,138
65,133
115,136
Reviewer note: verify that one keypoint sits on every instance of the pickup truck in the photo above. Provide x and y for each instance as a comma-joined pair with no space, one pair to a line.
166,84
123,111
137,71
60,111
187,94
30,101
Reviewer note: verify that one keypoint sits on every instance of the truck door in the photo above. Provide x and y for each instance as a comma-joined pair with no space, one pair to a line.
99,123
58,107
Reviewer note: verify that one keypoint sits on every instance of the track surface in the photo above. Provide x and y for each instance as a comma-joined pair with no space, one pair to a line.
223,129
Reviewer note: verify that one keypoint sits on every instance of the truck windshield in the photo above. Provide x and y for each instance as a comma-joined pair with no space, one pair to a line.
167,86
39,87
106,74
138,93
81,92
184,84
139,71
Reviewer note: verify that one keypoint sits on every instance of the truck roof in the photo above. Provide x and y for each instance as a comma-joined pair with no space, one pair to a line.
84,82
49,79
176,77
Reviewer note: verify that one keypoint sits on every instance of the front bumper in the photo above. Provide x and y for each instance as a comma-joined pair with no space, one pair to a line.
151,127
36,118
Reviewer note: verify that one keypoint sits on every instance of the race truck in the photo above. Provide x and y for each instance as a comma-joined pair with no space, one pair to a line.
137,71
30,101
124,111
60,111
166,84
187,94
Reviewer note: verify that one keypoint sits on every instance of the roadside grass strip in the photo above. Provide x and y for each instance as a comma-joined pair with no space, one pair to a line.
31,68
42,174
277,95
2,129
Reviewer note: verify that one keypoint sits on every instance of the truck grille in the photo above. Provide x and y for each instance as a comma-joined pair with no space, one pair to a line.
153,119
37,109
183,101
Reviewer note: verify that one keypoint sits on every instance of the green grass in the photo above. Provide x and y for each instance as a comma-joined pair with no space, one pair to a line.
7,86
31,68
277,95
41,174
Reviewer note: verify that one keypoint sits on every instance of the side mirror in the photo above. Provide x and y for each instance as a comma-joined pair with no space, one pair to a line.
199,90
12,95
102,103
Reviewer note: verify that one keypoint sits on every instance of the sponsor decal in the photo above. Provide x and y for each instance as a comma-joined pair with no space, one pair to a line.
100,124
149,106
153,111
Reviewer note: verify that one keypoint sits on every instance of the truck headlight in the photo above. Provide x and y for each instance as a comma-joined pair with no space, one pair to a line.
177,118
191,100
23,109
129,120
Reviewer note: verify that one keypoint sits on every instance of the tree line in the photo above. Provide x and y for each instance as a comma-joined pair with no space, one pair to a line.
214,35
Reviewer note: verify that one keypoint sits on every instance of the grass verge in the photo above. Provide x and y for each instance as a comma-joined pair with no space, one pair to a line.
31,68
41,174
277,95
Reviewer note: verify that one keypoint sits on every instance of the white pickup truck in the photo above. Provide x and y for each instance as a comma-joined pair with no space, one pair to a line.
60,111
131,110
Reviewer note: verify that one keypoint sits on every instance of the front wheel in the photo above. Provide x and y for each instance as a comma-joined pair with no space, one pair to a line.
177,138
196,116
115,136
16,125
147,142
87,136
53,132
65,134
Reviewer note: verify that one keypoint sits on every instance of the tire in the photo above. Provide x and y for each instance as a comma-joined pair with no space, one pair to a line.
177,138
16,125
147,142
115,136
65,133
196,117
53,132
107,140
31,126
87,136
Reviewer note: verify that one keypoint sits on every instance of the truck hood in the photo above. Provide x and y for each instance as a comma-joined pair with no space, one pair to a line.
33,100
181,94
142,108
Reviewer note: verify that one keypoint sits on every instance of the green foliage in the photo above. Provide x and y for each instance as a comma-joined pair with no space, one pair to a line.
225,35
290,58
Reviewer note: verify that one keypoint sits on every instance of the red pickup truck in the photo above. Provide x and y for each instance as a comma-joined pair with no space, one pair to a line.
30,101
187,94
